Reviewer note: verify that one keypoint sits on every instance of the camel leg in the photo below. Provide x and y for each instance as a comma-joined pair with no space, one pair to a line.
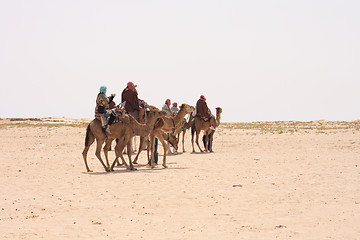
206,141
148,149
197,140
192,139
106,150
183,140
129,153
152,142
117,159
211,138
119,148
84,153
89,139
98,153
142,140
166,147
121,153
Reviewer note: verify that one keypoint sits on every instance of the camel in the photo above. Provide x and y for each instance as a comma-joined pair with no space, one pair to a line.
200,124
150,119
124,134
124,140
95,131
167,124
151,116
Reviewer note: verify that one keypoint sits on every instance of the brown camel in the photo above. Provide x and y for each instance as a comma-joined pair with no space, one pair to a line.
200,124
151,117
167,124
124,140
95,131
124,133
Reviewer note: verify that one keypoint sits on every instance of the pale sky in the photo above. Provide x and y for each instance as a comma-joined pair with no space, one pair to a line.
260,60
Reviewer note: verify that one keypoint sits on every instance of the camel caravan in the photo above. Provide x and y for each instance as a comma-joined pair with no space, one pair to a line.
134,117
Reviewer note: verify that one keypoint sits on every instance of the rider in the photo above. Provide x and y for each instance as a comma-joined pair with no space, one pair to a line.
132,106
174,108
166,107
204,112
102,108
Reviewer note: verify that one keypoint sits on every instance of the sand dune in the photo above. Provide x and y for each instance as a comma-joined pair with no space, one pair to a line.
265,180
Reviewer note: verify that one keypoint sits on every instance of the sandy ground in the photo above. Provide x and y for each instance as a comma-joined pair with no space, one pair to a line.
264,181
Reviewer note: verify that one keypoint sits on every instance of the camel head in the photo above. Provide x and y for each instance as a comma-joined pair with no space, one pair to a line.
218,114
173,141
187,108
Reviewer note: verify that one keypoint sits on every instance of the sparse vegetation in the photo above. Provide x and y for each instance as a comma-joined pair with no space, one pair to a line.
293,126
39,122
276,127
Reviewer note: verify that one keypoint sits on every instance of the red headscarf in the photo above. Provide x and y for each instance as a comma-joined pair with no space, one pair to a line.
130,84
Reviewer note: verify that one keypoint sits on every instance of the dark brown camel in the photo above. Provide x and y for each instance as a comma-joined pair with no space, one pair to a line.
200,124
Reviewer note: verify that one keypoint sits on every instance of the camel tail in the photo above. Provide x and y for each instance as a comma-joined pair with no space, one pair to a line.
89,136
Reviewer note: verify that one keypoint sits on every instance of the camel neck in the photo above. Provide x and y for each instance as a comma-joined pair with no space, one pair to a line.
179,116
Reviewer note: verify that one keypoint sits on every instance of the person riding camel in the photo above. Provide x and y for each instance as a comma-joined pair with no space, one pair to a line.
132,106
204,112
174,108
102,110
166,107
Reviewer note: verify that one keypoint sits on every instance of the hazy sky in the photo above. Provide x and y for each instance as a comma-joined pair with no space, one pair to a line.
257,59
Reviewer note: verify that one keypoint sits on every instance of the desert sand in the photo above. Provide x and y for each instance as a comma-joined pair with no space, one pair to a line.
264,180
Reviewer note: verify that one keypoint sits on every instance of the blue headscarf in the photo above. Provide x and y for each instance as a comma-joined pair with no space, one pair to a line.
103,89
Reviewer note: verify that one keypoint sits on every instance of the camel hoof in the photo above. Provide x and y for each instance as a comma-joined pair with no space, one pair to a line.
89,170
164,165
135,162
